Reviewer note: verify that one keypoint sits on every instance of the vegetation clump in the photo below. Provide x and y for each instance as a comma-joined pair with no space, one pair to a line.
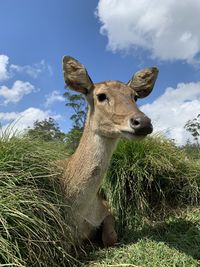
149,177
35,221
145,178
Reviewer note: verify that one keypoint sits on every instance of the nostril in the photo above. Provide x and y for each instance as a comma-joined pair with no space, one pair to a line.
141,125
135,122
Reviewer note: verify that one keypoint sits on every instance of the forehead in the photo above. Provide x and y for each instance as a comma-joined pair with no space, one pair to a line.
112,87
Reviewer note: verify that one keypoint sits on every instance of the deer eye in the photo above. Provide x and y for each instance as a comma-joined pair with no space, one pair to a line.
102,97
134,97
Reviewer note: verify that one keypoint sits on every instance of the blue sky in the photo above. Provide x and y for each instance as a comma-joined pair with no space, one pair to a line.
113,39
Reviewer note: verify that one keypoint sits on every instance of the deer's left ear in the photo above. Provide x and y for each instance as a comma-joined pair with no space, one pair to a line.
143,81
76,76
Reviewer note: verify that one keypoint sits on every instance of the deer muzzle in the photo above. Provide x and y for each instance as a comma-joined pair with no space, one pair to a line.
141,125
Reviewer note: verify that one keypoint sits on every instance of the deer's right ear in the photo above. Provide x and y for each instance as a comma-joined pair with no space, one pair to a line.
76,76
143,81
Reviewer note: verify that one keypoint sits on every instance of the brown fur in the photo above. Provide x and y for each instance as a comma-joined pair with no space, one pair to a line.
107,121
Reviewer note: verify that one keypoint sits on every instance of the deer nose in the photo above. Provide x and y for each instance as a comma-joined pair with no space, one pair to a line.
141,125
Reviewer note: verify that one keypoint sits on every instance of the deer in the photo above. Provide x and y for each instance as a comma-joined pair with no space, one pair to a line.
112,114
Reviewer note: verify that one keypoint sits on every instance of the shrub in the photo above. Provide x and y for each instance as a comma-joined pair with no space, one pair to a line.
36,228
147,177
35,221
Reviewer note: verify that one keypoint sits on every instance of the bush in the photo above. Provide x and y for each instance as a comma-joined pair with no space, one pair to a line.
36,228
35,222
192,150
148,177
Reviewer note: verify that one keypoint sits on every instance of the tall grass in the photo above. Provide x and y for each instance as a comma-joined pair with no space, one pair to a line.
150,177
36,224
35,221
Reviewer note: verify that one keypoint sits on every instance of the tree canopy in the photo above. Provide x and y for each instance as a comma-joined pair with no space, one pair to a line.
79,106
193,127
46,130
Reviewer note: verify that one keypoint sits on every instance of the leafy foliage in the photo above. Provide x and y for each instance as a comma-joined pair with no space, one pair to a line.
46,130
193,127
73,138
78,104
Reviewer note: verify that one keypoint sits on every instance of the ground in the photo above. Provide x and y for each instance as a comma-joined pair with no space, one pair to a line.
174,242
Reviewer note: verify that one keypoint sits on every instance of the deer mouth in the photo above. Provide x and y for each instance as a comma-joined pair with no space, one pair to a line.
132,135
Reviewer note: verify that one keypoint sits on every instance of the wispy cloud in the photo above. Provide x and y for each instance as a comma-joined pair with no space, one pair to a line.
173,109
55,96
4,60
19,88
19,121
168,29
16,92
10,70
32,70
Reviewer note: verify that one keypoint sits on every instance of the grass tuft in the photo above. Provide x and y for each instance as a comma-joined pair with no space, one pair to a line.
146,178
35,221
150,177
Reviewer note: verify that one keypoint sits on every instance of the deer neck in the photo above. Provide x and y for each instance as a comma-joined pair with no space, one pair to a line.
88,165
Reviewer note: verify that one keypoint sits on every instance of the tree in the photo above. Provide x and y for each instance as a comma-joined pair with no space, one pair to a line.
46,130
72,139
193,127
78,104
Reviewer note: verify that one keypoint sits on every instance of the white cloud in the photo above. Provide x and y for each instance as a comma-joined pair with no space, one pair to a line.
32,70
19,88
8,116
16,92
173,109
9,70
55,96
4,60
168,29
18,121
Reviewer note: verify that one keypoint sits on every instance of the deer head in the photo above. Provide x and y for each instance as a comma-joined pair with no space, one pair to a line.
113,112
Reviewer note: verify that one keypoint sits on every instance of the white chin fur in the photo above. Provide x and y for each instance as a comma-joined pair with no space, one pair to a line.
128,135
131,136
